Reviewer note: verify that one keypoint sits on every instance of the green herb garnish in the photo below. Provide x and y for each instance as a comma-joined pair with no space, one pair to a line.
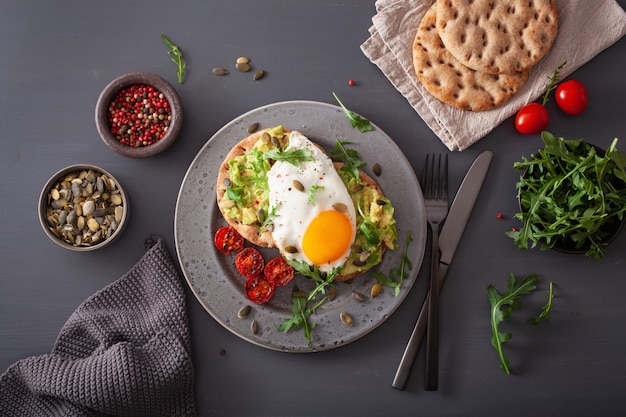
368,229
350,158
293,156
397,275
570,196
357,121
268,219
552,83
502,305
545,311
177,58
312,190
300,309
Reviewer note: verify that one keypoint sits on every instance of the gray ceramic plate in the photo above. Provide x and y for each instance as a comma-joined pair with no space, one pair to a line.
218,286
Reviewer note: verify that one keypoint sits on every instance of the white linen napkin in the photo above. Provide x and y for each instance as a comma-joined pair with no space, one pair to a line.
585,29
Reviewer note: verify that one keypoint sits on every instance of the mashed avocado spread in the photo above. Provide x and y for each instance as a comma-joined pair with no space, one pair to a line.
248,200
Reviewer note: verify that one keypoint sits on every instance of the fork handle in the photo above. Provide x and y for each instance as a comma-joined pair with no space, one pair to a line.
432,331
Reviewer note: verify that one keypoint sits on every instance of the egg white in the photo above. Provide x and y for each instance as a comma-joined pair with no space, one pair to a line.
293,212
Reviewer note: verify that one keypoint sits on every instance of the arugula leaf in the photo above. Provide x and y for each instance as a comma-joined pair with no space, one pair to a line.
300,309
312,190
350,158
293,156
397,275
368,228
300,315
177,59
502,305
235,194
268,219
357,121
545,311
570,196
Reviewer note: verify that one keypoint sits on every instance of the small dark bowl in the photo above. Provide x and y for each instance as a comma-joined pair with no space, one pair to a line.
111,91
611,230
53,228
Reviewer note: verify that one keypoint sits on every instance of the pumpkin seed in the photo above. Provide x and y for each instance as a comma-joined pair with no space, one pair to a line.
358,296
258,75
297,185
346,318
291,249
85,208
377,169
243,66
332,293
254,327
243,60
220,71
356,188
376,290
341,207
253,128
244,311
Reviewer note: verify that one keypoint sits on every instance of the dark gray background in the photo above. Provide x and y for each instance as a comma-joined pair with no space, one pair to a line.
57,57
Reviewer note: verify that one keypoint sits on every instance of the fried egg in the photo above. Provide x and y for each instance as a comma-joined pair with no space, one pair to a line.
314,219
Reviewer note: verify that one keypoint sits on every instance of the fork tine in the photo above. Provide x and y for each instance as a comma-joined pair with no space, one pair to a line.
444,178
435,177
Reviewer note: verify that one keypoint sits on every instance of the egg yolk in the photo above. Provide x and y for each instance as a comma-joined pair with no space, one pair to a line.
328,237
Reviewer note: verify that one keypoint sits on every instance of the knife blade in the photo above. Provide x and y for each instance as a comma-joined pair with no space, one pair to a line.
449,239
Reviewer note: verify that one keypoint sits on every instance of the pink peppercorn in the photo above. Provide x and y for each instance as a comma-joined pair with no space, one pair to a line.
139,115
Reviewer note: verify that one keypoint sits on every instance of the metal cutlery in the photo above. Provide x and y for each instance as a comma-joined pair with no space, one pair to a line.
435,183
451,233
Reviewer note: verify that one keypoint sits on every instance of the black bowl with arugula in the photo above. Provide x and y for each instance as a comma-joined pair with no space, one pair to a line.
572,197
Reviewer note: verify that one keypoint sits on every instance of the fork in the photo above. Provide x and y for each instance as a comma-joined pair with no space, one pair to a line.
435,184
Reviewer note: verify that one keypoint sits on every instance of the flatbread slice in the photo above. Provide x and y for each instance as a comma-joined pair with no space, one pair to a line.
495,36
446,78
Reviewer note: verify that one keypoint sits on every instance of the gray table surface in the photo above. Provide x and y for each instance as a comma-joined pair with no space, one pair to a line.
57,57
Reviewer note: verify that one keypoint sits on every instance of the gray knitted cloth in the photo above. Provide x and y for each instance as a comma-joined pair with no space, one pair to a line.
126,351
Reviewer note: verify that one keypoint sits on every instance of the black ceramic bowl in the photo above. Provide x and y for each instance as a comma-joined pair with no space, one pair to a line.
126,141
607,234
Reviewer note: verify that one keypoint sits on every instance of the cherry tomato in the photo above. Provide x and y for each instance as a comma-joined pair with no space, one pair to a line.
249,262
228,240
531,119
259,290
571,97
278,272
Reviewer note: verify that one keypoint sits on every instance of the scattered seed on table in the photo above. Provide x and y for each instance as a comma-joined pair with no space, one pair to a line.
243,66
220,71
258,75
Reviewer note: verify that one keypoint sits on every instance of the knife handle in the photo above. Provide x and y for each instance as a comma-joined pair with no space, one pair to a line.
410,352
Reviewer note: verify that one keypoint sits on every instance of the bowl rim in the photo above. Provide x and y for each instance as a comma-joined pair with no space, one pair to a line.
43,204
113,88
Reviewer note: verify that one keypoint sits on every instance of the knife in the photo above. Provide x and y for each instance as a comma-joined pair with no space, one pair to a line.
451,233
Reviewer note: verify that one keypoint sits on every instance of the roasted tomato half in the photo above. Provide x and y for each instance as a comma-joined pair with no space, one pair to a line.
249,262
279,272
259,290
228,240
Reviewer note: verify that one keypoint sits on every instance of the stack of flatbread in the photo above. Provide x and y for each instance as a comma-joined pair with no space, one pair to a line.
477,54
